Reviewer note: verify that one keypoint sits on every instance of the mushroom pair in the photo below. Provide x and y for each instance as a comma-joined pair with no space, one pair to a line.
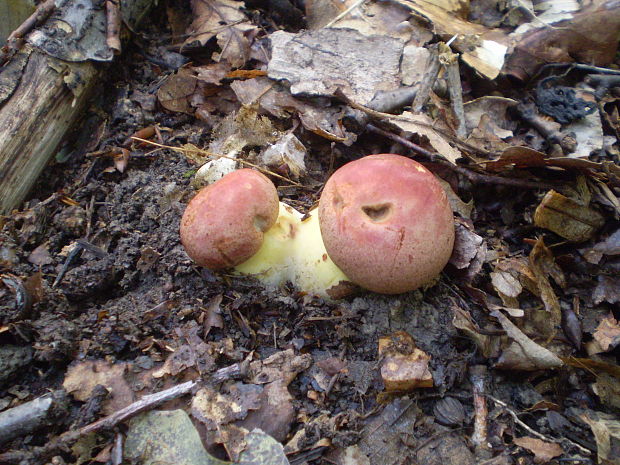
383,223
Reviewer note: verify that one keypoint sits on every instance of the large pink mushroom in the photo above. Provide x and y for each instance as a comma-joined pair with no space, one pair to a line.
223,224
386,223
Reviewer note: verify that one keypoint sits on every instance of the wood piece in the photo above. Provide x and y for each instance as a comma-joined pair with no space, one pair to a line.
30,416
50,97
13,42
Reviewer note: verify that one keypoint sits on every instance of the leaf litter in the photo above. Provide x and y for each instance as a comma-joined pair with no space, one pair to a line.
532,290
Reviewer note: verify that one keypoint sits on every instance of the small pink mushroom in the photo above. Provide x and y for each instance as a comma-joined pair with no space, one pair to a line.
386,222
223,224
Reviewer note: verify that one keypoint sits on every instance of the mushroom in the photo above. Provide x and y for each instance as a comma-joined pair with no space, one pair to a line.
224,224
237,222
386,223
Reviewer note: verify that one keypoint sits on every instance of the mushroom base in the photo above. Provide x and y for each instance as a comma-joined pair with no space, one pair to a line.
293,251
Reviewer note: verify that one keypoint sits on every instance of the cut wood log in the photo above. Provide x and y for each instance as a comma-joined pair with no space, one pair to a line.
34,118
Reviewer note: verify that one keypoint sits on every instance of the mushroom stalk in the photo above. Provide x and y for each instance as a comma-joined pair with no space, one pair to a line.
293,251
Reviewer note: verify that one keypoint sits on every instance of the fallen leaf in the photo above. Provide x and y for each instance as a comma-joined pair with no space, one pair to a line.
224,20
543,265
175,92
488,345
457,205
606,429
41,256
607,290
507,286
523,354
567,218
213,317
82,377
607,333
607,389
494,108
422,125
289,152
543,451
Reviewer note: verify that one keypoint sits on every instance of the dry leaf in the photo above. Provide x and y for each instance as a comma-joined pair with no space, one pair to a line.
82,377
543,451
175,92
41,255
567,218
224,20
607,333
543,266
287,152
606,429
457,205
488,345
422,125
523,354
607,290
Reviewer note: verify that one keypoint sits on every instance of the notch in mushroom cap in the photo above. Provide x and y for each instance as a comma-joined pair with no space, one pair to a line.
386,222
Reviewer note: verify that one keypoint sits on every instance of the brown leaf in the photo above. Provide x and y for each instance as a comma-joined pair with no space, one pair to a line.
41,255
523,354
543,451
488,345
82,377
224,20
175,92
542,264
467,244
606,429
607,289
607,333
567,218
213,318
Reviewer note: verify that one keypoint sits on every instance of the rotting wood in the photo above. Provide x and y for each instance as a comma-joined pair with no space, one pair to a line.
47,102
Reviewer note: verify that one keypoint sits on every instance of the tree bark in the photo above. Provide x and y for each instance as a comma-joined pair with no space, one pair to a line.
47,102
38,113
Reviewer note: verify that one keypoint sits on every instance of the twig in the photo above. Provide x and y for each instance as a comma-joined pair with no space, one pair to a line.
535,433
113,25
430,76
215,155
345,12
43,11
477,375
473,176
546,128
450,62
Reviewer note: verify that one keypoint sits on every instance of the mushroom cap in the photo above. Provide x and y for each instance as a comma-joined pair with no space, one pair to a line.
223,224
387,223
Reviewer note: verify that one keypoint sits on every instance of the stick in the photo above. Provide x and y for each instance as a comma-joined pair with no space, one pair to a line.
430,76
535,433
477,375
450,62
113,25
13,42
474,177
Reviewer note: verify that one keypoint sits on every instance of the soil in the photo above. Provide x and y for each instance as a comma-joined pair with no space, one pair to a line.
130,295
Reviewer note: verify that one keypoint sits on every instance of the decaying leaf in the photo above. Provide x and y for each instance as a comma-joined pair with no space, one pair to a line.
607,388
607,335
422,125
286,152
607,290
567,218
543,265
82,377
543,451
469,250
262,449
606,429
495,109
610,246
405,366
523,353
318,118
457,205
488,345
343,59
175,92
224,20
